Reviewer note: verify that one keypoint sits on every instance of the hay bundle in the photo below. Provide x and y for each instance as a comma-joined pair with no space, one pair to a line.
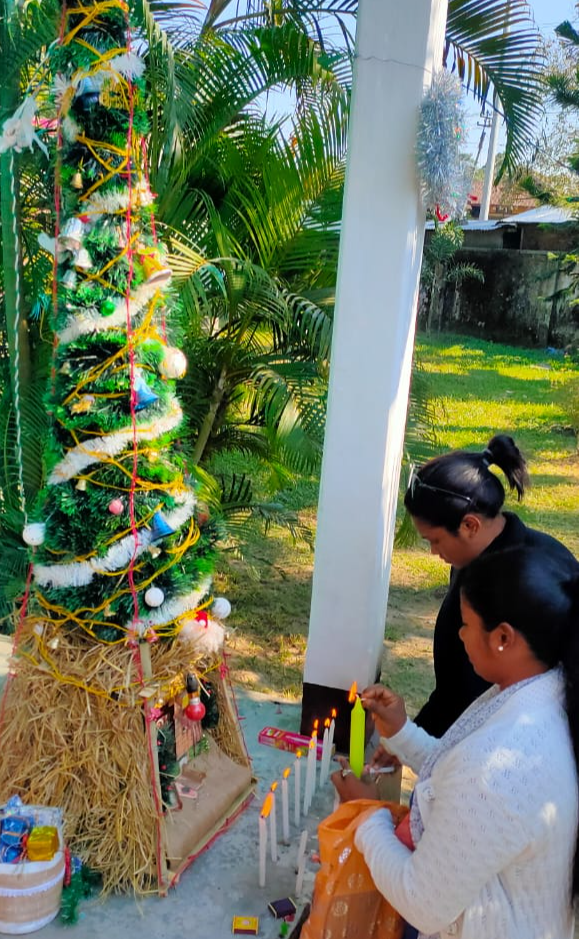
73,735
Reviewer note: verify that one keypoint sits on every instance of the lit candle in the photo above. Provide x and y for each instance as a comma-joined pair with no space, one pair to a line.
273,824
301,863
325,764
285,805
265,811
357,732
297,788
310,774
333,715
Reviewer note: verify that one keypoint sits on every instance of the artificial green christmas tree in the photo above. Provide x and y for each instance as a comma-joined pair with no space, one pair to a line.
117,613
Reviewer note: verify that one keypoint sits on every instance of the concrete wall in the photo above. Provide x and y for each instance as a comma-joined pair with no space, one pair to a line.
510,305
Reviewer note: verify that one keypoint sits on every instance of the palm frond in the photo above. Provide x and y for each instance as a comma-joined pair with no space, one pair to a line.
489,59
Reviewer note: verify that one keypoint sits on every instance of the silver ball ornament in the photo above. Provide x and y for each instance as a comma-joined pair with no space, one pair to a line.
154,596
173,364
34,534
221,607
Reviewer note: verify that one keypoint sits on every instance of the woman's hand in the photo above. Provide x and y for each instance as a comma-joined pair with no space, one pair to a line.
381,758
387,709
348,786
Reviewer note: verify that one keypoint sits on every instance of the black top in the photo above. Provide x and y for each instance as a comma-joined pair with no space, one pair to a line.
457,684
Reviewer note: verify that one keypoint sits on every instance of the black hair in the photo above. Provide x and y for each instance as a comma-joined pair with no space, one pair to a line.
538,595
446,488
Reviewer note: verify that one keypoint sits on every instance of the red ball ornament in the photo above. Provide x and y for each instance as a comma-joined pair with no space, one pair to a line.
116,507
195,710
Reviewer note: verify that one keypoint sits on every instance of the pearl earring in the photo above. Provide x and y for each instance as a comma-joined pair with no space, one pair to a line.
501,648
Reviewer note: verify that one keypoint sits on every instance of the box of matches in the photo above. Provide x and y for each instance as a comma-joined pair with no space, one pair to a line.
286,740
245,926
282,908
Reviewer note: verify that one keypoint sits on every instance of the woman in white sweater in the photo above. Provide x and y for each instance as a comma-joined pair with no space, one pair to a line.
495,810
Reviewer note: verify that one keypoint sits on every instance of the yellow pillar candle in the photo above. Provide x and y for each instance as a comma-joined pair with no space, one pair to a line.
357,733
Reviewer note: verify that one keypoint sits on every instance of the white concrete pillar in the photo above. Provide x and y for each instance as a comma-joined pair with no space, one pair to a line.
397,46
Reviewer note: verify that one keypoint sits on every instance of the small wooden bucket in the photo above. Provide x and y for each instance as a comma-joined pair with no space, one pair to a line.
30,894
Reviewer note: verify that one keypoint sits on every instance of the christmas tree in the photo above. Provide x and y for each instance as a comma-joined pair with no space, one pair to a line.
121,554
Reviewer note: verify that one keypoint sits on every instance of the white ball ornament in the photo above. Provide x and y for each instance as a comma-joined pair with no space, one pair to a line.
34,534
174,363
154,596
221,607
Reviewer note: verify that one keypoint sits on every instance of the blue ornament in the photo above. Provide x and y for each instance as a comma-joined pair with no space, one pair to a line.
160,528
144,396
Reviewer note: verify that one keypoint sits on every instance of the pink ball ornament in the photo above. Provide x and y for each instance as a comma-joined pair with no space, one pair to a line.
116,507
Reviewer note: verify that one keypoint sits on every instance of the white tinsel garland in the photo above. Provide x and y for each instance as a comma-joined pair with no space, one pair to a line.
81,573
90,323
441,141
111,203
171,609
83,455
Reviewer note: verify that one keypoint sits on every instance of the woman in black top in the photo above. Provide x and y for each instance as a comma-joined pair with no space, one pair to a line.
456,505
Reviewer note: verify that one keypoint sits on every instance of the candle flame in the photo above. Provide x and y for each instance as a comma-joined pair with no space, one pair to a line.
312,743
273,787
286,772
353,693
327,722
334,714
267,805
316,724
299,755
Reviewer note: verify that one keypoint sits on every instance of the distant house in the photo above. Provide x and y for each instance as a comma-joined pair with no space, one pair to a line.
506,199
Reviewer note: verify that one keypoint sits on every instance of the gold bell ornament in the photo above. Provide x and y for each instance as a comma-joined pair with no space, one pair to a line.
155,270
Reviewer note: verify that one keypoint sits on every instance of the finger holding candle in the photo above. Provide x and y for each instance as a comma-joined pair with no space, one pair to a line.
285,805
273,823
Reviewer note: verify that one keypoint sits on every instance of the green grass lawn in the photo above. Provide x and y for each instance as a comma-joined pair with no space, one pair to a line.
481,389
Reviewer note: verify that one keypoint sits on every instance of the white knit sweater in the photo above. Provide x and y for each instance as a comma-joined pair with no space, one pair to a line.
500,820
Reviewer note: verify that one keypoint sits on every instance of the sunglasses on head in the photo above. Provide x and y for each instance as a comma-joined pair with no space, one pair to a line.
415,483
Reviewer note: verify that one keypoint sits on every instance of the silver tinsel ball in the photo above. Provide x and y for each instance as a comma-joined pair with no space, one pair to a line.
221,607
34,533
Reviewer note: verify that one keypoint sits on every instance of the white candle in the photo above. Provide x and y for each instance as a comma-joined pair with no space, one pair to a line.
273,824
325,764
285,806
265,811
301,863
310,774
334,714
297,788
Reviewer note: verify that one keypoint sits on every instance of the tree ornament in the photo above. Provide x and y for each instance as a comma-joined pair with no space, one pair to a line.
34,534
116,507
143,394
154,596
76,181
81,485
160,528
154,551
83,405
87,95
155,270
173,364
195,711
70,238
221,607
83,260
70,280
108,307
440,144
18,131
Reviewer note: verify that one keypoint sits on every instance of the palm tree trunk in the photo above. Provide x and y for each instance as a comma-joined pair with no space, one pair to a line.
209,420
434,306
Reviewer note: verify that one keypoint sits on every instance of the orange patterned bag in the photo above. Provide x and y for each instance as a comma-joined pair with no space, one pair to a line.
346,904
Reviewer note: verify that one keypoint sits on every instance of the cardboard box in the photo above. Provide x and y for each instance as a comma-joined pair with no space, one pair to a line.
286,740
